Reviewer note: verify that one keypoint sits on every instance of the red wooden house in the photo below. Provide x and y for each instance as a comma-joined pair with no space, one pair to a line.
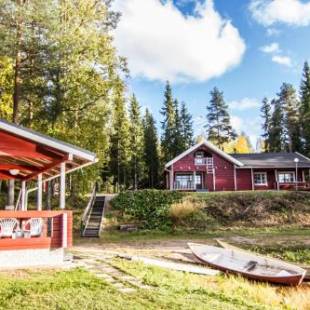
204,167
37,236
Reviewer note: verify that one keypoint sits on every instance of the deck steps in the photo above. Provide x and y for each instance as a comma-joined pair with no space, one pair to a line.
93,225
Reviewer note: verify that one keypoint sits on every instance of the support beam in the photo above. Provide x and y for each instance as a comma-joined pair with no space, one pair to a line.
252,178
62,195
171,178
39,196
276,177
23,196
213,176
235,179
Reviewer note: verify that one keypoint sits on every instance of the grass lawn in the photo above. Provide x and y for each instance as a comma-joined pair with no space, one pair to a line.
79,289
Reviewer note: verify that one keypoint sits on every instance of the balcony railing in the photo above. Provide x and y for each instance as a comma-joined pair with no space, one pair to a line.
204,161
184,186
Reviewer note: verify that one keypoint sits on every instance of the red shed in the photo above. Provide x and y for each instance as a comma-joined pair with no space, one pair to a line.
204,167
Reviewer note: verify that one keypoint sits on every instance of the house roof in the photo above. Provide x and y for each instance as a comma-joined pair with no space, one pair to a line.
32,153
272,160
210,146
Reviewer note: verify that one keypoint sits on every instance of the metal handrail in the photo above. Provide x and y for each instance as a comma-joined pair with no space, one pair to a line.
87,211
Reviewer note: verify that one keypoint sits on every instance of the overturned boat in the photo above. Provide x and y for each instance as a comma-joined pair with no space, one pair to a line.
256,267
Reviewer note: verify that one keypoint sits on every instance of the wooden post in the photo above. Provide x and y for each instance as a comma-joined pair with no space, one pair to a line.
194,180
235,178
23,196
65,230
277,181
171,178
62,195
252,178
213,175
39,196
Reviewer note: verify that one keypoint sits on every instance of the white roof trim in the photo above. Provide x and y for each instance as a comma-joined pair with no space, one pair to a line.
45,140
209,145
305,157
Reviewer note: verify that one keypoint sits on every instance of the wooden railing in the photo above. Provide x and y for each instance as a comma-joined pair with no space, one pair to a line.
293,185
180,186
87,211
56,232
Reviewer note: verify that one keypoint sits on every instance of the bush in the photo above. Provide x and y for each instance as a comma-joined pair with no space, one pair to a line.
149,207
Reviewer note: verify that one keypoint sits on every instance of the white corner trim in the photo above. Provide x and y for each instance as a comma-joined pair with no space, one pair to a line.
211,147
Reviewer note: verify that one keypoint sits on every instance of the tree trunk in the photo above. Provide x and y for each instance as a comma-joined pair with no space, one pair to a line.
17,77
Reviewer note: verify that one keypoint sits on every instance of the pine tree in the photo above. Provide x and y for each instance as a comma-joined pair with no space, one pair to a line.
219,129
151,154
266,115
276,136
119,142
290,104
168,126
136,141
177,139
305,107
187,131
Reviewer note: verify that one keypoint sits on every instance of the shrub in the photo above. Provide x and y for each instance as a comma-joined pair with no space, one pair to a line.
149,207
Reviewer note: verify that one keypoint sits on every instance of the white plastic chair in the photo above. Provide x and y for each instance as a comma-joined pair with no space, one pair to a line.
36,227
7,227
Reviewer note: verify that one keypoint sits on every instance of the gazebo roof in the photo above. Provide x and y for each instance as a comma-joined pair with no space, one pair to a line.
25,153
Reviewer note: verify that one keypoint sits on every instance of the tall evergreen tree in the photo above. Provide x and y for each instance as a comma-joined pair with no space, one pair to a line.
276,136
168,125
187,131
305,107
119,142
151,151
136,142
290,104
266,115
177,139
219,129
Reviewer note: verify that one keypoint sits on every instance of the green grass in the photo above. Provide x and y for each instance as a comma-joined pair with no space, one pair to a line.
270,232
78,289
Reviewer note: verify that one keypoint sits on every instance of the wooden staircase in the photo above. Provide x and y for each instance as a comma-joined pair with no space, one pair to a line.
93,216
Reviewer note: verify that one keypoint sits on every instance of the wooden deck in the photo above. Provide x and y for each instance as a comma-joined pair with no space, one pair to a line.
57,230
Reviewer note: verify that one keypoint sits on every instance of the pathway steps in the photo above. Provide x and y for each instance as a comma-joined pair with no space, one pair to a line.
102,268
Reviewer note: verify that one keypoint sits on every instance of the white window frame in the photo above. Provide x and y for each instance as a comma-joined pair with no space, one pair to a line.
265,176
287,172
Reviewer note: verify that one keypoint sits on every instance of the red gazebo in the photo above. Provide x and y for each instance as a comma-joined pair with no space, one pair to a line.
38,237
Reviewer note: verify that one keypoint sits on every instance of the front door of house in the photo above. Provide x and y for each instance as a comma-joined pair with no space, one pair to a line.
198,181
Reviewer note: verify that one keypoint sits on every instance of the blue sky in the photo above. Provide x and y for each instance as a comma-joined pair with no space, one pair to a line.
245,48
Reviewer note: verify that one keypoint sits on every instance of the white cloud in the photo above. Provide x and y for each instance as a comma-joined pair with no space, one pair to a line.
251,127
163,44
291,12
282,60
244,104
270,48
272,32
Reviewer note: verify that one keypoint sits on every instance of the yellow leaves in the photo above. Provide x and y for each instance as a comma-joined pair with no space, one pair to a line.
241,145
6,87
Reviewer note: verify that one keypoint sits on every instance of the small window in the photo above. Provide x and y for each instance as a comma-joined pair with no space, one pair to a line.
199,154
260,178
286,177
